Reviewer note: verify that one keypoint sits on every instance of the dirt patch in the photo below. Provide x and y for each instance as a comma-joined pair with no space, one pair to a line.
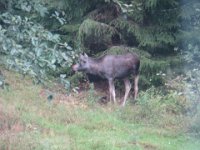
72,100
9,122
148,146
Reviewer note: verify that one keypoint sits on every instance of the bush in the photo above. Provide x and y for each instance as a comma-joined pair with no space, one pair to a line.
30,49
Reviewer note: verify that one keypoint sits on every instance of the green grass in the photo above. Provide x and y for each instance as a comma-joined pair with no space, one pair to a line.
29,121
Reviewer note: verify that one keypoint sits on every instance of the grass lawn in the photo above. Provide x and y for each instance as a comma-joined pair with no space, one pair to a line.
30,120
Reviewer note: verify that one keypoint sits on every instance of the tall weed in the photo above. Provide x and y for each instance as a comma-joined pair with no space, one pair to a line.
153,107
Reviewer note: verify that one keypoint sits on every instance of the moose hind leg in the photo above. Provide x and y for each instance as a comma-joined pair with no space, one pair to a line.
136,79
127,90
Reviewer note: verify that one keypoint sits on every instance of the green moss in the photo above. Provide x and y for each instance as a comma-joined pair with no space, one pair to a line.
125,49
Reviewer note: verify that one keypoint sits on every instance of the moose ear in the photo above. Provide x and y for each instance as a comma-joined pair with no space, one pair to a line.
81,56
85,55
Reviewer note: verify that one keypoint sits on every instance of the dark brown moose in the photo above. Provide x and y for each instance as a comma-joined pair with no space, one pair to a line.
112,67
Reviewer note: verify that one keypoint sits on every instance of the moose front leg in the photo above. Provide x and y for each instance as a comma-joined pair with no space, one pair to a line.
112,90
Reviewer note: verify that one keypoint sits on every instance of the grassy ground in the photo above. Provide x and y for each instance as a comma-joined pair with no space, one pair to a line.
32,117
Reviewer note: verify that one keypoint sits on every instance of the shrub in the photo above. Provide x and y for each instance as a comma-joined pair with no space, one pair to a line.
31,49
158,108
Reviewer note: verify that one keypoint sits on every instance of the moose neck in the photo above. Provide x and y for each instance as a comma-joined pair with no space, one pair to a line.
95,66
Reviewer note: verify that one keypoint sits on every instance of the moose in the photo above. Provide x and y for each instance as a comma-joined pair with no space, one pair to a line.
112,67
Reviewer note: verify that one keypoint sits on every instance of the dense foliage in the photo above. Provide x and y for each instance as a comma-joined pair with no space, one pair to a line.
29,48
